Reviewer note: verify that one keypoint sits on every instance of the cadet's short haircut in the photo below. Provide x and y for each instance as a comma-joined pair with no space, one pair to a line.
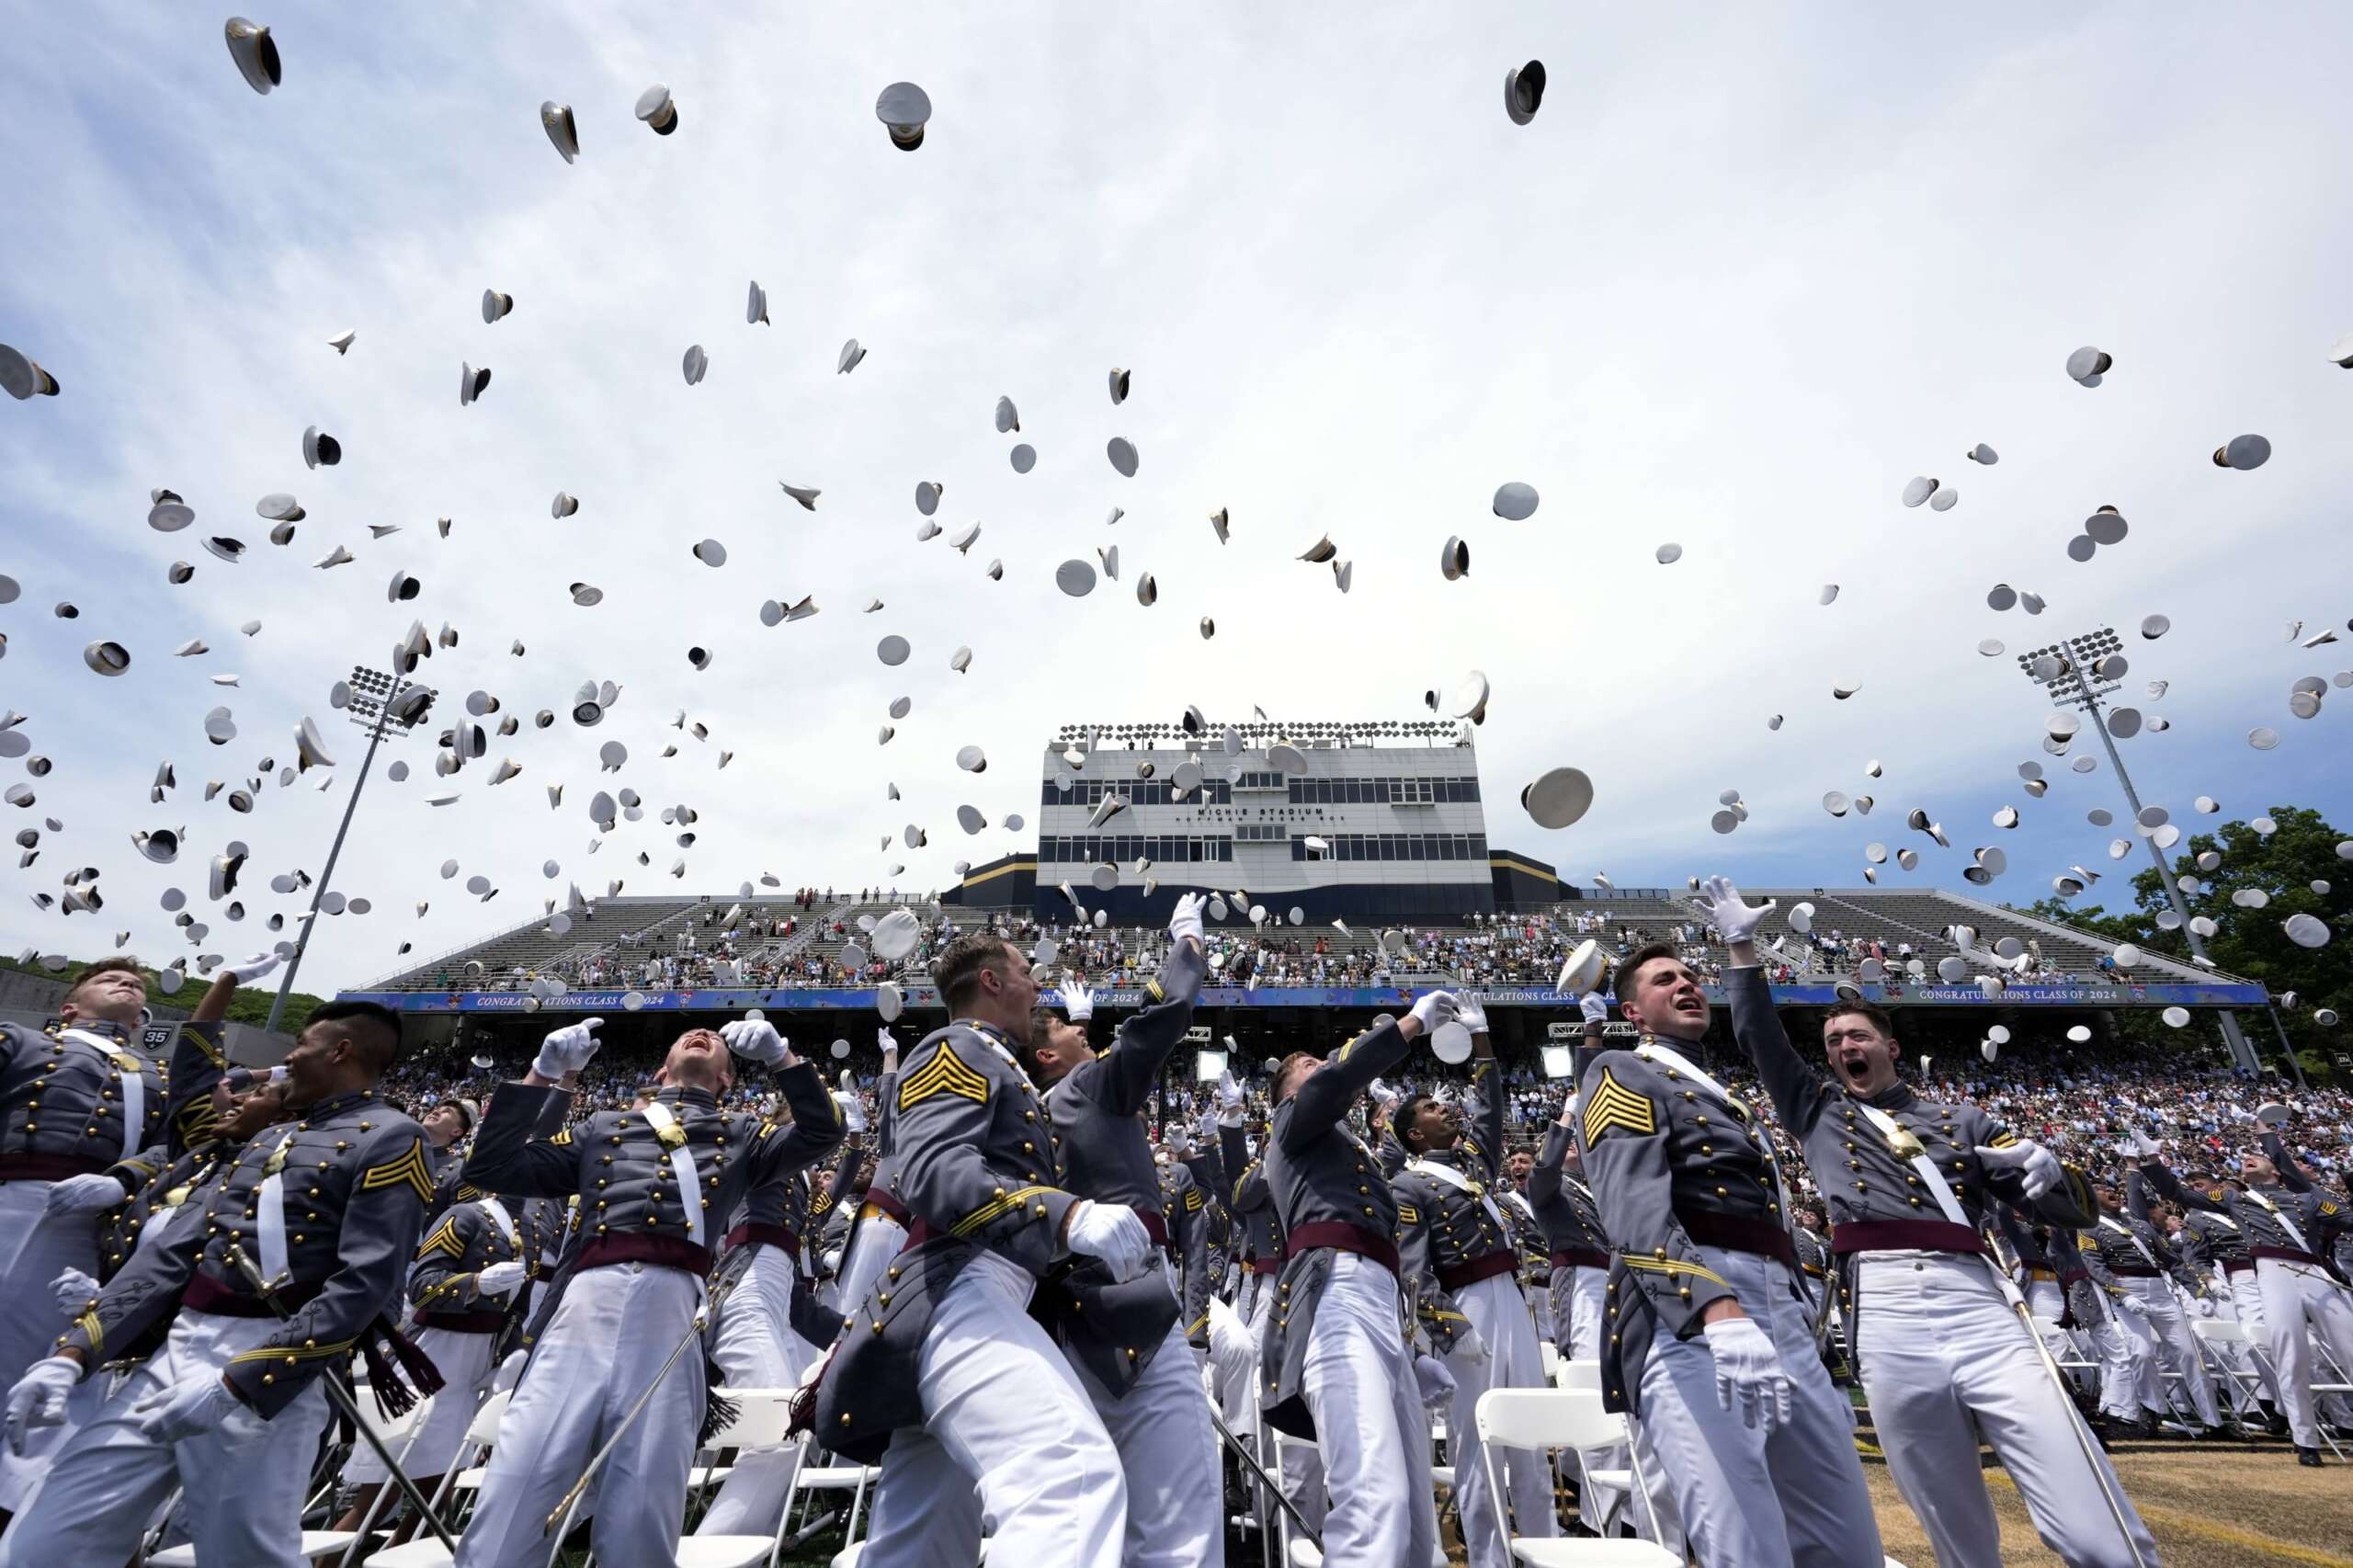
374,1029
117,965
957,972
1872,1010
1402,1120
1632,964
1287,1067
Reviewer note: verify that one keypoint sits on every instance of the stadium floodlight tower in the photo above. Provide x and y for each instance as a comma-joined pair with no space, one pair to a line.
384,705
2077,672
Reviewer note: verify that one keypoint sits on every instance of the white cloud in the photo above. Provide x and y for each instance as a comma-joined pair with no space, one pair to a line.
1732,288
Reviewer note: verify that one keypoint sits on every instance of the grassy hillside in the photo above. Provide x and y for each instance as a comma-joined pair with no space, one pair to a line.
250,1006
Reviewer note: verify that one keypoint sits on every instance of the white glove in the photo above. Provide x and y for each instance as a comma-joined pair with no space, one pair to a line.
509,1370
72,1291
2140,1146
754,1040
1178,1142
39,1397
890,1044
1112,1234
1230,1101
1437,1382
567,1050
1435,1008
194,1405
89,1194
1470,1346
1748,1369
1594,1007
1470,1015
1381,1093
1184,920
853,1110
1078,1001
252,968
2041,1166
1733,920
499,1278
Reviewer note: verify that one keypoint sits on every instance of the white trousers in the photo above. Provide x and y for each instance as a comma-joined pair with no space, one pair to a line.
2246,1295
2176,1347
245,1480
1161,1428
1600,1505
465,1364
1233,1353
35,1248
1375,1440
1748,1498
2297,1296
755,1348
1010,1446
1947,1364
1498,1310
2129,1386
879,1240
611,1334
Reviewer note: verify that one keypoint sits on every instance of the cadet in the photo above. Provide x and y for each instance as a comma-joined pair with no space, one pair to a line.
2289,1226
1947,1350
1333,1360
878,1227
653,1182
1463,1266
84,1097
230,1408
941,1372
1711,1332
2130,1262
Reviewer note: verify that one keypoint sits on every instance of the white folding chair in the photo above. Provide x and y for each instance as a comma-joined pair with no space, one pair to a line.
427,1550
812,1479
315,1545
761,1417
1541,1420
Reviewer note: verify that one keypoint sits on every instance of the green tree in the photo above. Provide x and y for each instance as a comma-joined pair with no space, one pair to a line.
249,1006
2255,881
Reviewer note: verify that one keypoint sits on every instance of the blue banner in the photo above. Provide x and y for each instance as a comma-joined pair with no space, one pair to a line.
922,997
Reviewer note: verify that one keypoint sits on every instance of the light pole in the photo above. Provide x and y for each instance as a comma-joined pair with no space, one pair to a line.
383,705
2078,672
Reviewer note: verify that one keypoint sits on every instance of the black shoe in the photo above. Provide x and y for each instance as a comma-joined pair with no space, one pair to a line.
2276,1425
2308,1456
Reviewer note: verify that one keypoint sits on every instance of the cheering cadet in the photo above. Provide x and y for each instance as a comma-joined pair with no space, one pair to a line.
86,1095
940,1370
1333,1361
1711,1334
2289,1227
878,1227
1464,1267
2131,1263
2212,1242
230,1409
653,1183
1946,1352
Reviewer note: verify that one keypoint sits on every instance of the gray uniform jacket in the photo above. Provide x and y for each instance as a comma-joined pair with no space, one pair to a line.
2109,1255
354,1186
1449,1237
1875,1197
1250,1202
1184,1209
618,1165
2258,1211
61,1099
1217,1232
1570,1218
1328,1193
976,1168
1097,1108
444,1278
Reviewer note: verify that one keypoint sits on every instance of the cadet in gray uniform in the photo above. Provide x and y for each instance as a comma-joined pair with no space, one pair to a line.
879,1229
230,1408
1947,1354
941,1372
2289,1226
87,1112
1333,1364
1126,1340
1711,1332
2130,1262
654,1184
1462,1266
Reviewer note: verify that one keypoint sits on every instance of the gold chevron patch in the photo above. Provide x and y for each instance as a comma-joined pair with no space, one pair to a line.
562,1140
1192,1200
95,1331
945,1074
997,1207
409,1168
1408,1215
206,1043
2004,1139
1613,1104
443,1239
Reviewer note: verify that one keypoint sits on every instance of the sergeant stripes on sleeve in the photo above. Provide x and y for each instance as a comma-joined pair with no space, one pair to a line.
945,1074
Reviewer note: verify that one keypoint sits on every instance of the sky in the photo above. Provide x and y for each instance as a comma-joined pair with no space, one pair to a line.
1744,274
